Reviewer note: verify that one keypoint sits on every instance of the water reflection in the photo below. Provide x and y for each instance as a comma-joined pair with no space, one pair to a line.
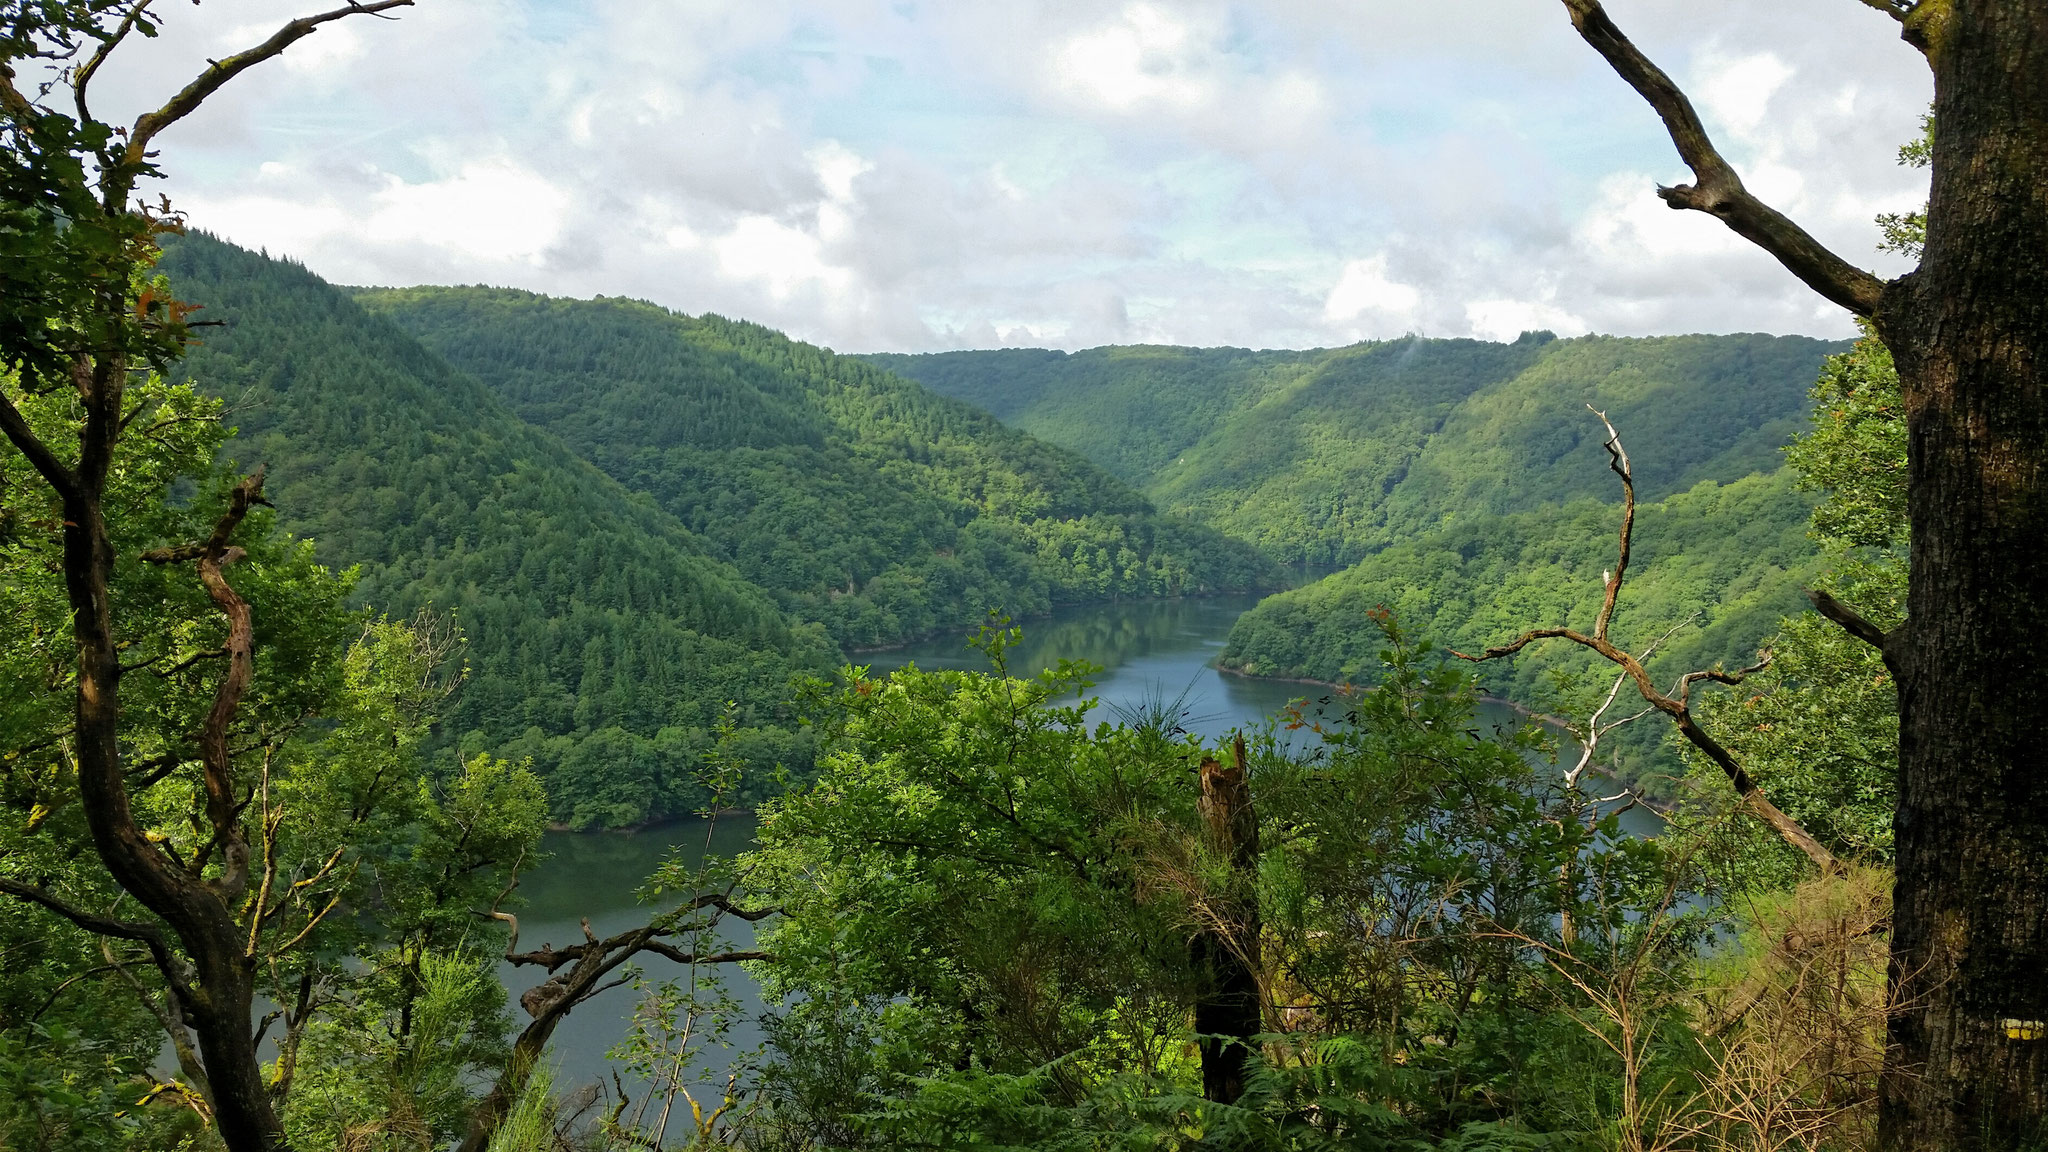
1161,650
596,875
1149,651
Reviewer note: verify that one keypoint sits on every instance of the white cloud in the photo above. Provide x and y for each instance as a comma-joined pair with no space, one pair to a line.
1738,92
1364,293
784,258
1141,59
875,174
1507,319
489,210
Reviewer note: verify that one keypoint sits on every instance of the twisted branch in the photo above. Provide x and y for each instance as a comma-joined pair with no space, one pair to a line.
1678,703
222,810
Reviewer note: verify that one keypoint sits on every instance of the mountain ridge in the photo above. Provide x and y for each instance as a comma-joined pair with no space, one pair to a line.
1328,455
860,499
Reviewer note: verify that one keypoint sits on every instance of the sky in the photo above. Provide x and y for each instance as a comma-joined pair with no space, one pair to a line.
922,175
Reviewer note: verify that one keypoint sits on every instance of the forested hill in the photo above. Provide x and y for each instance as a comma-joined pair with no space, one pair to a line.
1328,456
1462,482
1729,559
861,500
603,639
637,517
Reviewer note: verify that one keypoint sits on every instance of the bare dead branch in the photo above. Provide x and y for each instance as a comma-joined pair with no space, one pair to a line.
1718,190
1851,621
511,942
578,972
1617,459
1715,675
1676,705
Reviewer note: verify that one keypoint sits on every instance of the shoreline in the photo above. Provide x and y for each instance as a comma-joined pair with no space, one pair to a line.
1661,807
1055,610
1523,709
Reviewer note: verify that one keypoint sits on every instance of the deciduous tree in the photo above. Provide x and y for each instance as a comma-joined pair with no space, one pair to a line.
1968,330
79,319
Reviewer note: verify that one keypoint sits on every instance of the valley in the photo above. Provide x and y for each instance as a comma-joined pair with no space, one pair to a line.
649,526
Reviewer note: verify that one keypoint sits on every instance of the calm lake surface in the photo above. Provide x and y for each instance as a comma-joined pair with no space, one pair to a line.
1149,652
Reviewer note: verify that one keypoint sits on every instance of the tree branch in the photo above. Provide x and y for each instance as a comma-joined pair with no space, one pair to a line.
1719,190
726,906
584,966
45,462
1617,459
83,77
217,760
221,71
1678,706
170,1016
1851,621
148,935
681,957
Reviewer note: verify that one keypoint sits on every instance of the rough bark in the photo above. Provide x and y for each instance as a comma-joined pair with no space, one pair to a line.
1969,333
1232,1010
1967,1067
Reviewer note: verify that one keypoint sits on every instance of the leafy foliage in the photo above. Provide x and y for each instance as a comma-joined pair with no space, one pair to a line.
989,907
1820,729
1721,564
861,500
1325,457
604,641
367,865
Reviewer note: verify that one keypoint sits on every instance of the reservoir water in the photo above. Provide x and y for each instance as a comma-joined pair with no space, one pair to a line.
1149,651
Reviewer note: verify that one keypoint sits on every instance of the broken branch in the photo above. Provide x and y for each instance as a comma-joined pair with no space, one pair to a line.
1851,621
1678,705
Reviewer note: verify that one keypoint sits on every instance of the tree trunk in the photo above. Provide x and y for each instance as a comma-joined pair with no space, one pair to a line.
1968,1064
218,1002
1226,948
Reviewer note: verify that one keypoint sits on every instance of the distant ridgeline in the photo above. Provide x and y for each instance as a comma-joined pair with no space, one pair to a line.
859,499
1463,481
636,517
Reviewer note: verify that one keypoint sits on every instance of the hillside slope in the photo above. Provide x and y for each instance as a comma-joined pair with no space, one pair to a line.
1713,572
603,637
1328,456
1731,558
861,500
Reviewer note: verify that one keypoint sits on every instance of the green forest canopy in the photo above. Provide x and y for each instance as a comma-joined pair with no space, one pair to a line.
861,500
652,524
1324,457
649,524
1462,483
